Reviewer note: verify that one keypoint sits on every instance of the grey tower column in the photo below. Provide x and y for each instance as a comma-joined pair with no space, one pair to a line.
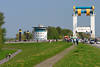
92,26
74,25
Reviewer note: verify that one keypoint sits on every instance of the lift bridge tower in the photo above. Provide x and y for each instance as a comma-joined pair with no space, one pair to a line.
88,11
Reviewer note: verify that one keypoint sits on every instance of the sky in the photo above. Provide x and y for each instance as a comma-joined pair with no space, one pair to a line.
25,14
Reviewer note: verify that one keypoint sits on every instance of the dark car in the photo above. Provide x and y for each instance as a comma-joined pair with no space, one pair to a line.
92,41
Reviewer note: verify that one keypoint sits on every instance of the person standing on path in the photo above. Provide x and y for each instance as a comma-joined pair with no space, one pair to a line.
74,41
77,41
9,55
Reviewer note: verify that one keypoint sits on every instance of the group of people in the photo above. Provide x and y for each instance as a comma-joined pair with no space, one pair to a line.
75,41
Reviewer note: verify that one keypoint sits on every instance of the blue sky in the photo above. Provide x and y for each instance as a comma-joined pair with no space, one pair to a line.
26,14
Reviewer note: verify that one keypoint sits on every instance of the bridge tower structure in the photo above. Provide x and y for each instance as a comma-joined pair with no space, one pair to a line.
88,11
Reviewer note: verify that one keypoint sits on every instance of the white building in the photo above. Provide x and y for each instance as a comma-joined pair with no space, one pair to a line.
40,33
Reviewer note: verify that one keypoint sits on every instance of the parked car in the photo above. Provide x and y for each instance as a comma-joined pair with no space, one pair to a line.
98,42
92,42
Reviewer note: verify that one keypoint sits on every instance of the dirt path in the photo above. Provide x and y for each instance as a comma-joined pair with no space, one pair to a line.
51,61
7,59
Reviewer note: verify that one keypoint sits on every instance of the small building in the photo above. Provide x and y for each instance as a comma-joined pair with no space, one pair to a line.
40,33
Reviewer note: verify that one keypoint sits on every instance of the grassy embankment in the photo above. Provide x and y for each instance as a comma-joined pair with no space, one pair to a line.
4,52
34,53
82,56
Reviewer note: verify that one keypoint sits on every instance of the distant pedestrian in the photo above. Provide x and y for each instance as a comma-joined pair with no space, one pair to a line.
95,40
9,55
73,40
77,41
37,40
56,40
49,41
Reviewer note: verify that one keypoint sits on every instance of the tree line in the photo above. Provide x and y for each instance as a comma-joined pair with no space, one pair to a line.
58,32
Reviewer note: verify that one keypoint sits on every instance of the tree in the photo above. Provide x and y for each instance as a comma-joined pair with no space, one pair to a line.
84,35
2,30
66,32
59,30
52,33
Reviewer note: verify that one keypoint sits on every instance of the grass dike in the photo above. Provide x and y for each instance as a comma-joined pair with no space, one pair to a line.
83,56
34,53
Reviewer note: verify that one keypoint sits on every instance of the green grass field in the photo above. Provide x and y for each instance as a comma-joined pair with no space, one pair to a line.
82,56
4,52
34,53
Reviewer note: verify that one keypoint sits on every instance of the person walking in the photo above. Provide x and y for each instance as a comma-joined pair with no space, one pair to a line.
9,55
77,41
74,41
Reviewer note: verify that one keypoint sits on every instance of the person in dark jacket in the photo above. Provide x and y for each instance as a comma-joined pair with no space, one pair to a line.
77,41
